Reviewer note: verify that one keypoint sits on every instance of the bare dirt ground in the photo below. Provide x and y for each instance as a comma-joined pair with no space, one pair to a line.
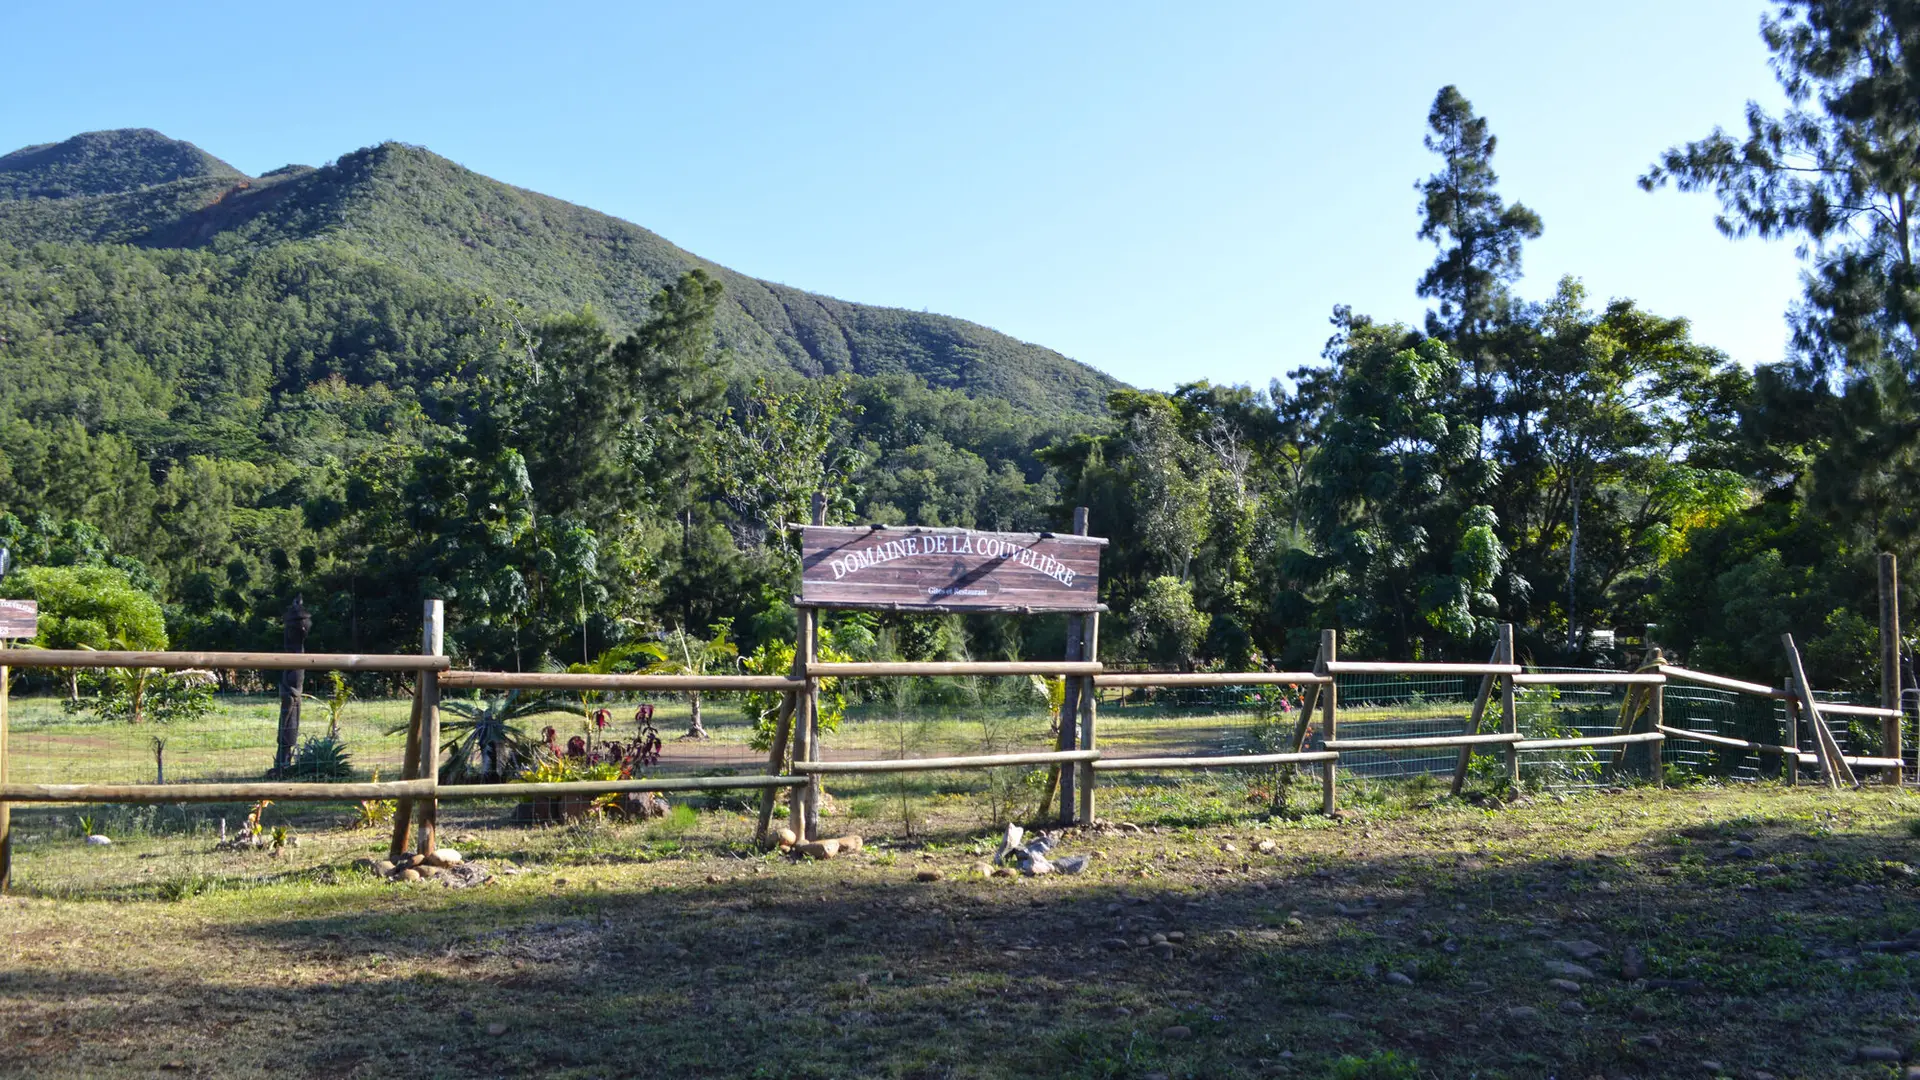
1741,932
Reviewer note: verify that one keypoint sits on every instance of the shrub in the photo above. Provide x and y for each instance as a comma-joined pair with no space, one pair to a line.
320,758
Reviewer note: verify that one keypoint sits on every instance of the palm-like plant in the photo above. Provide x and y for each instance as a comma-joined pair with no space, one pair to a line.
680,653
485,745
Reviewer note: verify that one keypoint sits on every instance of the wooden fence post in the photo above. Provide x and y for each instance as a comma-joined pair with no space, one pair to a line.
409,770
6,810
1474,718
1658,706
1067,734
802,809
776,761
1509,713
1890,661
1832,763
431,642
1329,720
806,823
1087,704
1790,763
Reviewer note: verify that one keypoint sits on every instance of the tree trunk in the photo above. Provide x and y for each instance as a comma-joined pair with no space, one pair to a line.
292,685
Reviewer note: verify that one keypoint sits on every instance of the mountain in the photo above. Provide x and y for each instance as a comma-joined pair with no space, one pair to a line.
406,207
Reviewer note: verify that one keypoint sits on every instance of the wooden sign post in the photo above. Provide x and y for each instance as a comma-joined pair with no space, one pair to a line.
18,619
916,569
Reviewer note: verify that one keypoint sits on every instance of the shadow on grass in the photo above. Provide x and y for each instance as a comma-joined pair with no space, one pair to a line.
1756,934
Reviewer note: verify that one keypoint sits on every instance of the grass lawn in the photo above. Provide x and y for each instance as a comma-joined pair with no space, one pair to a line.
1410,938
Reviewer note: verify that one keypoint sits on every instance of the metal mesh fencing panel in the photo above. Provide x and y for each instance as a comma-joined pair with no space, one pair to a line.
1388,706
57,739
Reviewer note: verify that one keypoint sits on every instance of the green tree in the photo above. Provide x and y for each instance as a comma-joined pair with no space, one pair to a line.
1837,169
1164,626
1478,233
88,607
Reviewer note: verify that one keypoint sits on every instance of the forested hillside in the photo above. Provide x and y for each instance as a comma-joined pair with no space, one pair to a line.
390,378
412,209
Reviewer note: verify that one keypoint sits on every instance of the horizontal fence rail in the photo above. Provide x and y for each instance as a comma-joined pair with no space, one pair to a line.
1590,740
1220,762
182,661
1721,682
934,764
1387,667
1208,678
1588,678
936,668
1421,742
566,680
250,791
608,787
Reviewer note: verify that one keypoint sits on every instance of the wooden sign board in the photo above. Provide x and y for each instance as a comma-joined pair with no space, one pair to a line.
19,619
920,569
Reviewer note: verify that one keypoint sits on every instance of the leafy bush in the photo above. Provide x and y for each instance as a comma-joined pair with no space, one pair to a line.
137,695
320,758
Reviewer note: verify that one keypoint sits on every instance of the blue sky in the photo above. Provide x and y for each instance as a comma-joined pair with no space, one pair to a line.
1167,192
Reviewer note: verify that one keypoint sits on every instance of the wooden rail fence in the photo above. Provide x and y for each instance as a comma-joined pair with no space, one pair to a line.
794,763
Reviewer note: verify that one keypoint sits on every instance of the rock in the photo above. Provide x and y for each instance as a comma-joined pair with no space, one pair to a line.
983,869
1566,986
1743,852
1522,1012
1229,849
1710,1065
1005,871
1877,1054
1651,1042
1572,1005
1912,1072
411,860
1157,939
1580,948
409,874
1568,970
1036,866
1116,944
1341,1017
1176,936
785,838
1143,941
819,849
99,841
1267,847
1129,827
496,1029
383,868
1633,963
1164,950
444,857
1008,843
1399,978
1072,864
1177,1031
928,875
848,844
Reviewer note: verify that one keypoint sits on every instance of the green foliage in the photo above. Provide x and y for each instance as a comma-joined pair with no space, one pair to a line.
89,607
139,695
320,758
1164,625
486,744
1379,1065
